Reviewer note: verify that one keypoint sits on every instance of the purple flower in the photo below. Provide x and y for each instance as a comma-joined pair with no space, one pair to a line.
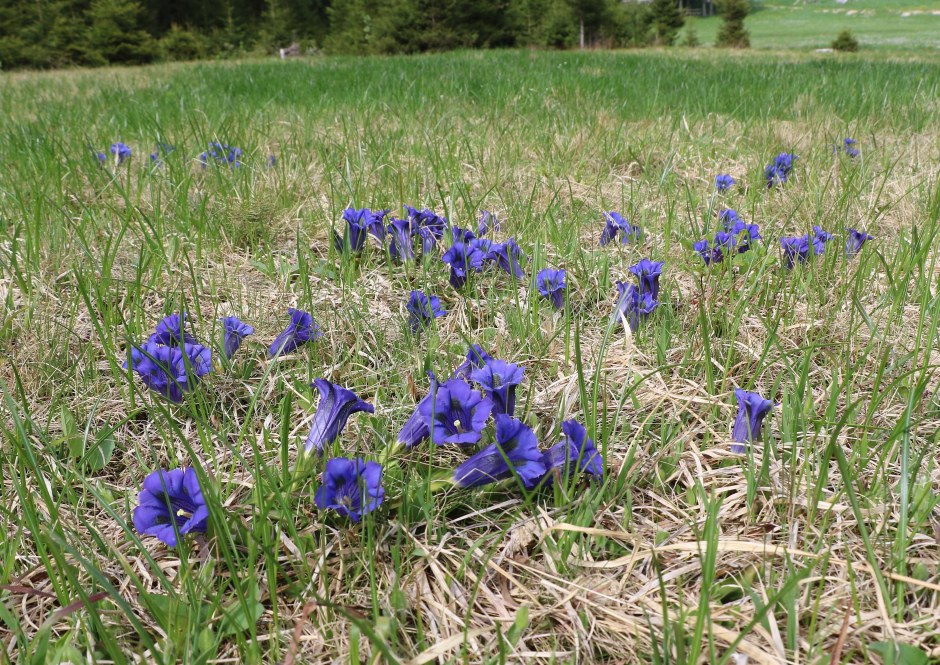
120,151
850,149
429,220
725,241
428,241
171,503
457,414
507,255
821,236
402,246
221,153
515,452
796,249
499,380
488,221
422,309
723,182
709,254
163,149
574,453
100,156
336,405
648,273
778,172
728,218
615,223
476,357
461,258
301,329
551,284
272,161
458,234
633,306
235,331
752,408
416,429
744,234
359,223
855,241
170,370
351,487
169,332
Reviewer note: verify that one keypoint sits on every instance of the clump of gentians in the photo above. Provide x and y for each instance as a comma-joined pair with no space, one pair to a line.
171,503
499,380
170,362
855,241
616,224
301,329
724,182
462,258
735,237
221,153
422,309
574,453
506,255
235,331
798,249
336,405
163,149
121,152
457,414
752,409
351,487
515,453
434,224
552,284
360,222
476,357
849,145
633,306
648,272
778,172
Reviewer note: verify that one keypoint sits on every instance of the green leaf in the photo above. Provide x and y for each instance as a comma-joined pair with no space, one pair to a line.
895,653
519,625
99,456
71,436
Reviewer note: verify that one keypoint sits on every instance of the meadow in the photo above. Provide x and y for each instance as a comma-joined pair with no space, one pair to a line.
820,543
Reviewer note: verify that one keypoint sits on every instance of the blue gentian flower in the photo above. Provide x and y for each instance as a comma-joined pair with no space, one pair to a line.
422,309
428,240
744,234
507,255
359,223
752,408
428,219
170,370
351,487
458,234
850,148
402,246
855,241
796,249
221,153
615,223
100,156
272,161
778,172
301,329
516,452
416,429
336,405
120,151
482,245
461,258
457,414
163,149
171,503
476,357
488,222
235,331
723,182
551,284
726,242
728,218
633,306
821,236
574,453
169,332
648,273
709,254
499,380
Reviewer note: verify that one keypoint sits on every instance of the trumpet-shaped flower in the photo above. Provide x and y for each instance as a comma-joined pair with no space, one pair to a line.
499,380
507,255
634,306
121,152
744,234
351,487
457,414
235,331
428,219
574,453
515,452
551,284
488,222
170,370
416,429
723,182
648,273
614,224
778,172
752,408
708,253
171,503
422,309
336,405
850,149
301,329
476,357
461,258
359,223
170,331
855,241
728,218
402,245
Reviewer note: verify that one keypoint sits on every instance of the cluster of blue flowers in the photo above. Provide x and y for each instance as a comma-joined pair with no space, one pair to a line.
217,152
778,172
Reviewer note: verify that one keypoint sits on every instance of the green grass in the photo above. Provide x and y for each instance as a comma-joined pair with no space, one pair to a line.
820,542
877,24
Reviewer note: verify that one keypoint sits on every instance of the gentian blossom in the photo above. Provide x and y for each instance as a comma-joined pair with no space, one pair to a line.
171,503
351,487
499,380
457,414
551,284
507,255
169,332
428,219
120,151
796,249
428,240
488,222
850,149
336,405
416,429
648,273
301,329
235,331
272,161
728,218
820,235
855,241
726,242
461,258
360,223
221,153
476,357
163,149
515,452
574,453
633,306
482,245
170,370
723,182
615,223
744,234
458,234
708,253
402,246
100,156
422,309
752,408
778,172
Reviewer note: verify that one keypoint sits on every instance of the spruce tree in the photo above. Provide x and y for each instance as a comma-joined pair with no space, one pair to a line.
667,20
732,33
116,35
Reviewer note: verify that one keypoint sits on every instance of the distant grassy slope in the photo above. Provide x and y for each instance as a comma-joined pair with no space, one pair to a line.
875,23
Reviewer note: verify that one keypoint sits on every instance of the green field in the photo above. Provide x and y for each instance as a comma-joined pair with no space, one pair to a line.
818,545
877,24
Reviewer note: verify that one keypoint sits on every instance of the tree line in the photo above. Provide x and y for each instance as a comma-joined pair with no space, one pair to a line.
61,33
